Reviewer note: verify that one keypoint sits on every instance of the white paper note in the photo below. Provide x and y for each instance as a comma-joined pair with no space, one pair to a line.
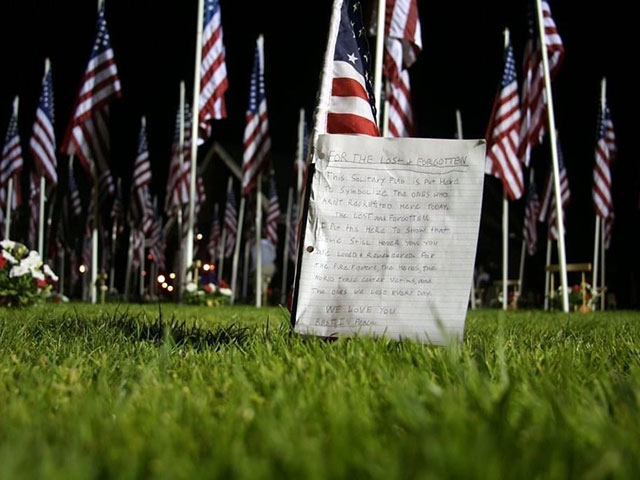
390,238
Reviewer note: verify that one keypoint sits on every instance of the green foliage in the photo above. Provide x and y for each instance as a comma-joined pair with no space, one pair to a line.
24,279
229,392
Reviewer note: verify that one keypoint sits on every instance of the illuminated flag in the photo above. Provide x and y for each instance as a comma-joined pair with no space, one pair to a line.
273,214
231,223
602,169
43,139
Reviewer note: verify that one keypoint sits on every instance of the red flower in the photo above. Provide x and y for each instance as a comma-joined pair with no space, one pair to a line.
223,284
41,283
3,261
207,288
576,288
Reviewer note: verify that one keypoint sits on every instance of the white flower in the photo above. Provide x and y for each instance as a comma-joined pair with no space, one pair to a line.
8,257
225,291
32,260
37,274
49,273
191,287
200,292
18,271
7,244
213,287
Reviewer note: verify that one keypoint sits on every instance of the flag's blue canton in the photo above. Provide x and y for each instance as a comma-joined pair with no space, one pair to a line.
46,99
352,45
256,90
102,40
210,8
509,75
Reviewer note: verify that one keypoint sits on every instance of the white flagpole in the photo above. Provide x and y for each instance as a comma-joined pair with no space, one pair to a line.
223,240
194,134
547,276
47,66
377,75
300,152
182,267
505,226
236,252
285,254
562,258
93,288
245,268
259,241
7,223
603,283
460,136
596,242
142,259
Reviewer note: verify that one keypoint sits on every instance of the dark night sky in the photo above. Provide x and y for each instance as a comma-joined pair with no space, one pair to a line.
459,67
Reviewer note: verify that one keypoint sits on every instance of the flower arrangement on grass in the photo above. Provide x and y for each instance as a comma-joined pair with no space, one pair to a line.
582,298
207,294
24,278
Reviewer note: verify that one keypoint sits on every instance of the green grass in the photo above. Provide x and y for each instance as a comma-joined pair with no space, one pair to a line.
99,392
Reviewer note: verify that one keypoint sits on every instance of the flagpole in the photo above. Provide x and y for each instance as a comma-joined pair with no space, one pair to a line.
547,275
562,259
285,254
300,153
181,257
223,241
377,77
7,223
505,225
194,133
127,278
603,284
596,248
259,241
141,286
245,268
460,136
236,252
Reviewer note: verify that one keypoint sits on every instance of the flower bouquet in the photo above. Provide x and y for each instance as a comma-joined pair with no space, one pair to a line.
582,298
207,294
24,278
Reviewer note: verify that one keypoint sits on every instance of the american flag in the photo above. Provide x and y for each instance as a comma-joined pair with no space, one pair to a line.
403,43
178,180
257,142
88,133
502,135
608,230
117,210
74,194
201,197
138,243
34,210
213,72
293,235
610,135
534,100
43,138
141,181
11,164
548,210
530,230
231,223
602,169
213,246
273,214
157,241
347,101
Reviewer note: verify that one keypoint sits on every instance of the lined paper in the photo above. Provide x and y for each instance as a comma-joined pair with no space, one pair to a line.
390,238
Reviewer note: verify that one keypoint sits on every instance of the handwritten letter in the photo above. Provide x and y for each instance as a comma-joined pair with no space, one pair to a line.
390,239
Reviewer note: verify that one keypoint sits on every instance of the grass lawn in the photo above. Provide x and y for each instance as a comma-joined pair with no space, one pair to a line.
94,391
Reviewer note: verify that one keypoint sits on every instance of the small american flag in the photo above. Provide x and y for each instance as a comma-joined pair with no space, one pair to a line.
88,133
293,234
502,135
403,43
530,230
34,210
273,214
231,223
178,181
534,102
213,73
157,241
610,135
11,164
74,195
602,169
43,138
548,210
608,230
347,101
214,236
142,179
257,142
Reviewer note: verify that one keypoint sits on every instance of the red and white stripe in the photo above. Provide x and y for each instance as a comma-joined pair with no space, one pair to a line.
273,215
43,138
534,102
400,109
601,192
230,224
213,73
548,209
11,164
